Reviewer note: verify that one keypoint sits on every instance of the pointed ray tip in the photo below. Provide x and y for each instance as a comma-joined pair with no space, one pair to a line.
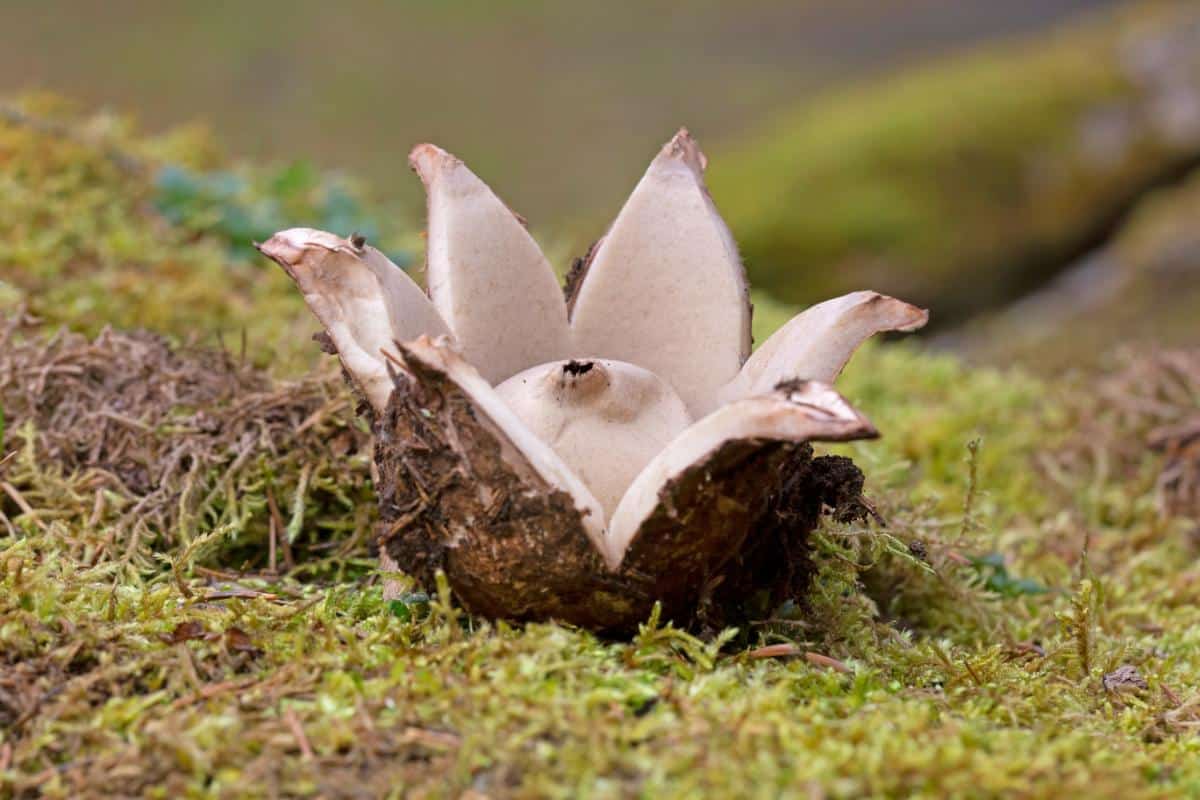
827,402
279,248
685,148
920,316
425,158
865,429
905,316
288,246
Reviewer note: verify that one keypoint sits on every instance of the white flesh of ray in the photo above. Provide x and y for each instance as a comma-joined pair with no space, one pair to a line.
487,276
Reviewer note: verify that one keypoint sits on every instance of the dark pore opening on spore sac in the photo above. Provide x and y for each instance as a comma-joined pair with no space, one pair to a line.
578,368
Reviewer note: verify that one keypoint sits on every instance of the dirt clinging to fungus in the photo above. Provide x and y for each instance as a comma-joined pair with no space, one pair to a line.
454,497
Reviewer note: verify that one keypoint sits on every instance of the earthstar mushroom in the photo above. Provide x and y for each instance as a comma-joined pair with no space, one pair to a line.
583,458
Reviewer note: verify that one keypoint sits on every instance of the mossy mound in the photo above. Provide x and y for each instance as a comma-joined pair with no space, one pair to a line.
1142,288
965,183
166,450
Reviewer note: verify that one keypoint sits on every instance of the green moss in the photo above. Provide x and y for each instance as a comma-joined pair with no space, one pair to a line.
192,670
134,684
99,227
957,184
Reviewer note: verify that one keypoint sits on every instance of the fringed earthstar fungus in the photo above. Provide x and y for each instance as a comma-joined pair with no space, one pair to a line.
583,457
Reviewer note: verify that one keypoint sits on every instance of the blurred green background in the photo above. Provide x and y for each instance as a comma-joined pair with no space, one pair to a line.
968,155
558,104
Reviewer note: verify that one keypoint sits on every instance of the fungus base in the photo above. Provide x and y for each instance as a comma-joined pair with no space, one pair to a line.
728,540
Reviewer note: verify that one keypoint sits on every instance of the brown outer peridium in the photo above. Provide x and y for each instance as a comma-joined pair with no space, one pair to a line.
455,496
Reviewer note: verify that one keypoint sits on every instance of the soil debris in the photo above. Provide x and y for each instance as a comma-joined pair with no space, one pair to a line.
127,431
1146,408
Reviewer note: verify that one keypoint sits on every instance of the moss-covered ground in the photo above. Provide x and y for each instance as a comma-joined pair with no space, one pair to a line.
188,606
